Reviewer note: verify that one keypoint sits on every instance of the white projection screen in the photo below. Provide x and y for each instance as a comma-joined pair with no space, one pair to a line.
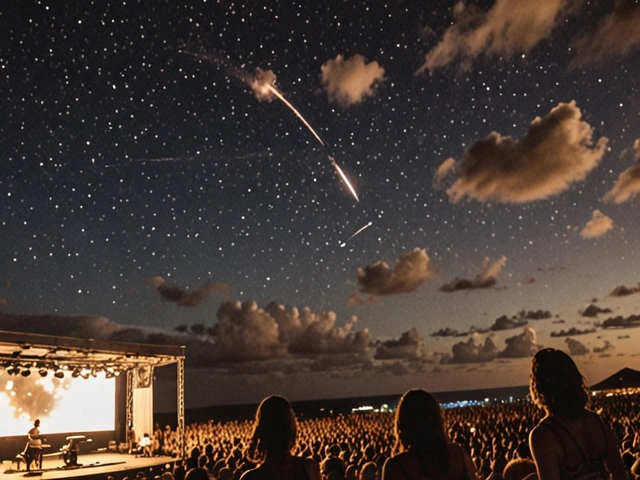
62,404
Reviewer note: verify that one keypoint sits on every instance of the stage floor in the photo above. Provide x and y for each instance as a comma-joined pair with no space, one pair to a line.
94,465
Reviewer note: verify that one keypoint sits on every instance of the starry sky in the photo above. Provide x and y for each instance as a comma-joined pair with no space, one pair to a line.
172,173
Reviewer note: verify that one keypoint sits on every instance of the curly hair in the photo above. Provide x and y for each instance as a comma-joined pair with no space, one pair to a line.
274,431
419,428
556,385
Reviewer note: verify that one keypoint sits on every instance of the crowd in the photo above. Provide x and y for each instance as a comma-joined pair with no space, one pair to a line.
493,435
496,439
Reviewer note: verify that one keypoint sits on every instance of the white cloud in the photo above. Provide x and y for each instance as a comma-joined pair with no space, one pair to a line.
617,35
597,226
350,81
628,184
407,346
556,152
509,28
470,352
523,345
486,277
411,271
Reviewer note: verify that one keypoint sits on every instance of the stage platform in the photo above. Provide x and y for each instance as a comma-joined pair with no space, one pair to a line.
93,466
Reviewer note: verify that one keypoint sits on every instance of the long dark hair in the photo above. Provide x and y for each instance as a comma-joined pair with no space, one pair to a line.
274,431
556,385
419,428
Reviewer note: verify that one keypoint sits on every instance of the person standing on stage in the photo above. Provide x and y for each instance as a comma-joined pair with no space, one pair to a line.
34,446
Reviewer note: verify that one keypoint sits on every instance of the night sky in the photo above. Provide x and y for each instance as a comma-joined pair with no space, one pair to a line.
155,187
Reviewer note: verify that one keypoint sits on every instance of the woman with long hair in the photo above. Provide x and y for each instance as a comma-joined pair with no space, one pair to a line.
571,441
422,449
273,439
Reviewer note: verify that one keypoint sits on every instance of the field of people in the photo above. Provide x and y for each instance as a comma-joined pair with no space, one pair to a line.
493,435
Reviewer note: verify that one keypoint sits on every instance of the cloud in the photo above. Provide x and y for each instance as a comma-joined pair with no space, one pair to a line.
597,226
621,322
523,345
263,84
350,81
355,299
308,333
448,332
411,271
509,28
407,346
245,332
526,281
576,347
617,35
535,314
80,326
556,152
628,184
623,291
185,297
484,279
506,323
605,348
592,311
572,331
470,352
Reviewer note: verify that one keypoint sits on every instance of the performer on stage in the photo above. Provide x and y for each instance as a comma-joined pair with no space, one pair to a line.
145,445
34,447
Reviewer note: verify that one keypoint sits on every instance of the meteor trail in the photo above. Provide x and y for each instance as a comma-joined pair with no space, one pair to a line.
344,178
263,86
284,100
343,244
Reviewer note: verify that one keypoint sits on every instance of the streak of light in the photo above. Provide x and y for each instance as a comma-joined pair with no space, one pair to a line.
144,160
267,87
344,178
280,97
343,244
284,100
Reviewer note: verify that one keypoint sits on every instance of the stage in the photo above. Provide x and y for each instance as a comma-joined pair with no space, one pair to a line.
91,466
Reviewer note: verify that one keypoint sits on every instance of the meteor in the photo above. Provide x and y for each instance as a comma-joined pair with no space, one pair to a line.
343,244
263,86
292,108
344,178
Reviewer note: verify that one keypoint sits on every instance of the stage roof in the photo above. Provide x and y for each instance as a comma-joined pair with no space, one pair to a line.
627,378
35,351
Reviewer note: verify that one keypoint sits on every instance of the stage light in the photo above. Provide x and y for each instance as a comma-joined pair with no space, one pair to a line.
16,353
43,372
13,371
76,373
59,374
26,373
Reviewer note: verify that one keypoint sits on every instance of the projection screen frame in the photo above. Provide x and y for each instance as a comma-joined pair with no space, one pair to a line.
20,350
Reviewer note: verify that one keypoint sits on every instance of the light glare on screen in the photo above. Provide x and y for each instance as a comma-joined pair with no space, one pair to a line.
62,405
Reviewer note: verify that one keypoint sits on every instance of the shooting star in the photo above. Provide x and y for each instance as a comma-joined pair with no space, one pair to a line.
263,86
344,244
344,178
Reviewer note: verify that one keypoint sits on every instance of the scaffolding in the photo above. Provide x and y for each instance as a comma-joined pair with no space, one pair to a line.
22,353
